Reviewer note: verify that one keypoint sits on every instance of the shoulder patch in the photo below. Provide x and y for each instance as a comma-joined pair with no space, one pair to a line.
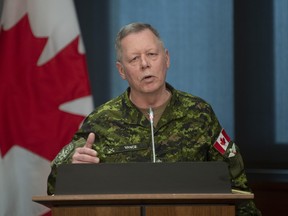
222,142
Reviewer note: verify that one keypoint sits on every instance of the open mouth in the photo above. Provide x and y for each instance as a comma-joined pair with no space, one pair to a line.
147,77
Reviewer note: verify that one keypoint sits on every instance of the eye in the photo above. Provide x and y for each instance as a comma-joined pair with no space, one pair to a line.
152,55
134,59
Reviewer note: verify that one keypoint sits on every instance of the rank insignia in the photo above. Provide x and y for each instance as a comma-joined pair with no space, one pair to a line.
232,151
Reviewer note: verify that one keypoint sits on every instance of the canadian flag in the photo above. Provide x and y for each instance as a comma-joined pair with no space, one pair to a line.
222,142
44,96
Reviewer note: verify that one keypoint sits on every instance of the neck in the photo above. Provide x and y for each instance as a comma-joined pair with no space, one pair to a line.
145,101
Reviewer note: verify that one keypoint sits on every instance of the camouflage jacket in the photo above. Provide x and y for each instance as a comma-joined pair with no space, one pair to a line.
186,131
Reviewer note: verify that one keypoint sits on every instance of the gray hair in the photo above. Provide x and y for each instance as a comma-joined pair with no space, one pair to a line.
129,29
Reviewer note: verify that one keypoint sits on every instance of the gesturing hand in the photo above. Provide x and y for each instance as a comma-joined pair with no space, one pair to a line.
86,154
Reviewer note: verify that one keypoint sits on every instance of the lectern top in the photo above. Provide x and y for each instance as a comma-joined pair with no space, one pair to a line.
143,178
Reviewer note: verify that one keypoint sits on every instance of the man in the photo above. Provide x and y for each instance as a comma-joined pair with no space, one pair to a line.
185,126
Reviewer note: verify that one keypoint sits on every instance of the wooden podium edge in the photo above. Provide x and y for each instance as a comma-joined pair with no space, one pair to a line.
142,199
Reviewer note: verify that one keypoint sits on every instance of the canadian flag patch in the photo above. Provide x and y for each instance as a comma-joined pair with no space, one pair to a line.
222,142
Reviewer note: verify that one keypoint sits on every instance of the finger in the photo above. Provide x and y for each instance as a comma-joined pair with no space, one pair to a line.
90,140
87,151
82,158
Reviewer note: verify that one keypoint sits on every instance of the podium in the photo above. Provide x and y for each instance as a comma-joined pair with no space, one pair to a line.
143,189
143,204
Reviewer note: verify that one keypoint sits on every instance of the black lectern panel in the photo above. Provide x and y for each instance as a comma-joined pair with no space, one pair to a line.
143,178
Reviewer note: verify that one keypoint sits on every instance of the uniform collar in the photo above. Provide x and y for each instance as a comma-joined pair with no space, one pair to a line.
134,116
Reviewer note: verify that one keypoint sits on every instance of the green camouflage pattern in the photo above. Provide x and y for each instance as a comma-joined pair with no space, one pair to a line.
186,131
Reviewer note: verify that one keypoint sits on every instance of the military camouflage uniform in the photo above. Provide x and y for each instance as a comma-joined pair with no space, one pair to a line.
186,131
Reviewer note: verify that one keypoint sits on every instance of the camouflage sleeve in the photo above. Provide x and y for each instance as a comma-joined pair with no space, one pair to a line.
66,153
233,158
238,178
240,182
63,157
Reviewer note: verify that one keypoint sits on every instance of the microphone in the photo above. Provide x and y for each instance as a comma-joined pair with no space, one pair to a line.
151,117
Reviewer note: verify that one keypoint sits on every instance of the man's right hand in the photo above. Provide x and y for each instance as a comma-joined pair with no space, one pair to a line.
86,154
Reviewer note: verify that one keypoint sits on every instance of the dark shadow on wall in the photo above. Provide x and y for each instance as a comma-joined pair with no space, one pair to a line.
266,161
94,24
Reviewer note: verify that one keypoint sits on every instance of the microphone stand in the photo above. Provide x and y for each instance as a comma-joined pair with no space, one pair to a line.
151,117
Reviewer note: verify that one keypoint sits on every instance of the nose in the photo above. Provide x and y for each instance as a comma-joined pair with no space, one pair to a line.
144,62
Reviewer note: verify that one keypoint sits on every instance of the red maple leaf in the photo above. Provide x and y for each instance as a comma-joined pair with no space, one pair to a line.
222,141
30,95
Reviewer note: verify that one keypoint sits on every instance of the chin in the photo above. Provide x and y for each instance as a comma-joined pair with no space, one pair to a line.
152,88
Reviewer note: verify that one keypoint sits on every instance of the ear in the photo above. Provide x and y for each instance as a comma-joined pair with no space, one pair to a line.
121,70
167,58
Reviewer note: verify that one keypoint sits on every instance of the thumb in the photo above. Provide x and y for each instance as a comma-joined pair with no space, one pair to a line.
90,141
